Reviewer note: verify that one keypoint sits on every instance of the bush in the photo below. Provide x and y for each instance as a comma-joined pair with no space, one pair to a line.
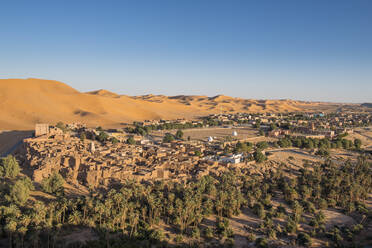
20,191
251,237
9,167
114,140
179,134
131,140
304,239
53,184
259,210
208,233
261,243
61,126
178,238
262,145
259,156
323,152
157,235
291,226
102,137
168,138
83,136
195,233
357,143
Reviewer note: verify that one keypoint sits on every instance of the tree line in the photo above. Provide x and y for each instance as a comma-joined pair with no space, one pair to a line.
131,215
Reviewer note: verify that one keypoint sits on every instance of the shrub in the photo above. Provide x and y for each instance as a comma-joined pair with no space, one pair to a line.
9,167
20,191
291,226
251,237
208,233
259,156
168,138
102,137
195,233
83,136
357,143
262,145
131,140
114,140
53,184
323,152
259,210
261,243
178,238
179,134
157,235
304,239
61,126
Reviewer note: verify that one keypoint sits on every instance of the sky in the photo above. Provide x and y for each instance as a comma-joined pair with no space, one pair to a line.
318,50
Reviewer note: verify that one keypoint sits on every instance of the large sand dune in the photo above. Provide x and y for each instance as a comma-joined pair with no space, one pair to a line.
24,102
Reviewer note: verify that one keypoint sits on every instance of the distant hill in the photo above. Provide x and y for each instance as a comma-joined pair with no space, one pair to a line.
24,102
367,105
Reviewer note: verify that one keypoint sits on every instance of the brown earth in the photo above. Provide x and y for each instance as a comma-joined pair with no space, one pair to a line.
24,102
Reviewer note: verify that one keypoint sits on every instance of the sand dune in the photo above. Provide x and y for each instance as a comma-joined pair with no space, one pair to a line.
24,102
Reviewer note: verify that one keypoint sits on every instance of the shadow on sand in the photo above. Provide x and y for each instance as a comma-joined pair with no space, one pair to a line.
10,140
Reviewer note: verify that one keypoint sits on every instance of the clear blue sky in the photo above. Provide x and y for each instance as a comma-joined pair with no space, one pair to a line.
306,50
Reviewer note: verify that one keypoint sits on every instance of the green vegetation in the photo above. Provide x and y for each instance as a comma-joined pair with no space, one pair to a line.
130,215
83,136
322,144
168,137
259,156
9,167
131,140
19,192
102,136
114,140
53,184
262,145
179,134
243,147
61,126
257,124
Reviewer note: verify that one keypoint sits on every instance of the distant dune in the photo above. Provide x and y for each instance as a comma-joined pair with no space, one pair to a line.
24,102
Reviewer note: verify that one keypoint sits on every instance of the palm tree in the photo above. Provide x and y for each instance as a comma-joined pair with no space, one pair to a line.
99,209
10,228
74,218
24,222
63,206
133,221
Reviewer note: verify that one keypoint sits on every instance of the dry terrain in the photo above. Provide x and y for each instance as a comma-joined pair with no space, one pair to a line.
24,102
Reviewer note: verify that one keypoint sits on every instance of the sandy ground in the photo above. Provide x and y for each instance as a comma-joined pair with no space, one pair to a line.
202,134
364,134
25,102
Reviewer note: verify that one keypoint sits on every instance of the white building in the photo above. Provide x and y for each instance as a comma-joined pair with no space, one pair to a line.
234,159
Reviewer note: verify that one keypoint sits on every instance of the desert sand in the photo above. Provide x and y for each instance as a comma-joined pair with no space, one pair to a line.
24,102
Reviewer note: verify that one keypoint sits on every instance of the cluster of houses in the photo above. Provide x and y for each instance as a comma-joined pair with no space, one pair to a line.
316,125
93,164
